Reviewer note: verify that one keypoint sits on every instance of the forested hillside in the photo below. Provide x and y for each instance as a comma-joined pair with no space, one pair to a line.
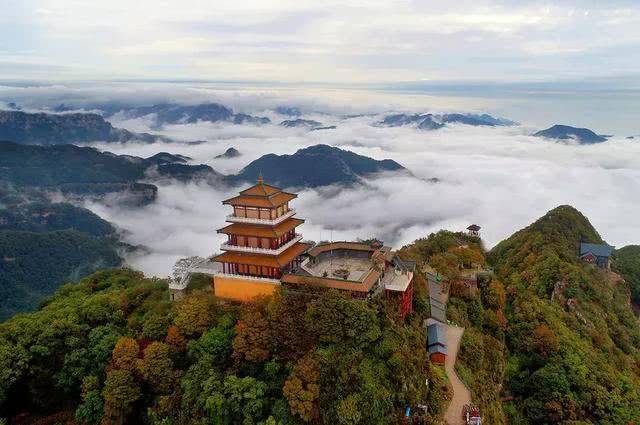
33,265
548,339
45,244
481,360
572,338
114,349
627,263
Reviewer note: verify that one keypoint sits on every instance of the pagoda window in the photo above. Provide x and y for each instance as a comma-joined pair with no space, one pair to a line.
265,243
285,208
241,241
253,213
252,241
273,213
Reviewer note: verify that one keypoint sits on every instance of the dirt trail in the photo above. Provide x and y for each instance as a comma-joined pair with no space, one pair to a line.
461,394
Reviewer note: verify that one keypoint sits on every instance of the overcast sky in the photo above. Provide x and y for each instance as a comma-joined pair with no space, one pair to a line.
355,41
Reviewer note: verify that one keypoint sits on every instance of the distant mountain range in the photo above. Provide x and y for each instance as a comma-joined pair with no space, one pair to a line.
173,113
299,122
565,132
315,166
51,129
436,121
291,111
89,173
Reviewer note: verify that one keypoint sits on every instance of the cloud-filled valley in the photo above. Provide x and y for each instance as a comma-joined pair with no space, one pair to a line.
501,178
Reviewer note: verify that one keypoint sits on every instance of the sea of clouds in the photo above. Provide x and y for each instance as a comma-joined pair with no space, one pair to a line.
500,178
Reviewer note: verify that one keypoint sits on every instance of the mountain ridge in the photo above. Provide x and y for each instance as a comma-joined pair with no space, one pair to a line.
314,166
50,129
565,132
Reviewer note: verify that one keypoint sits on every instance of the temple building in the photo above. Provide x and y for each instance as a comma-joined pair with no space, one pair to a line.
597,254
361,269
262,243
263,250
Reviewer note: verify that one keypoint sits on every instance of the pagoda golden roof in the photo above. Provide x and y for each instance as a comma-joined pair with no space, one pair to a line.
261,195
261,189
242,229
272,201
277,261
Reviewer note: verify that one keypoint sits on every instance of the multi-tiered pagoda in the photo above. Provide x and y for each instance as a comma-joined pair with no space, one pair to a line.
262,243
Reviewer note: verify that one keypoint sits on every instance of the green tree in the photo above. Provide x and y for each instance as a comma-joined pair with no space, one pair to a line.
91,409
335,319
237,401
120,393
195,313
156,367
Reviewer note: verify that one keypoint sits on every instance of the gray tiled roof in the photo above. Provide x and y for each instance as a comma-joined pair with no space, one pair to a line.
438,313
436,335
596,249
438,349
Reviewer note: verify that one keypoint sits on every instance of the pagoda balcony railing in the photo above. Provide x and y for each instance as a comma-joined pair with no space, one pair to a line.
247,277
277,251
269,222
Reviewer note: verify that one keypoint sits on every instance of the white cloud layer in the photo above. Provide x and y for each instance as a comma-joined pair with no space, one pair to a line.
500,178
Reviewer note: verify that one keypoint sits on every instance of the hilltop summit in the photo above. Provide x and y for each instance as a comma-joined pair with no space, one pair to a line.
562,228
566,132
318,165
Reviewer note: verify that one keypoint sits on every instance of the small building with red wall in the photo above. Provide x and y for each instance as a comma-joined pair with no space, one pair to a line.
437,343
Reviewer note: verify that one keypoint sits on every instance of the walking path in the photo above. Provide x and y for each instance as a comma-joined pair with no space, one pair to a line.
461,394
438,298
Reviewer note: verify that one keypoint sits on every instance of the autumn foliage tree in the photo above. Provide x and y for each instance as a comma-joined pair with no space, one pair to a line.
286,313
544,340
156,367
125,354
253,334
175,339
195,313
302,388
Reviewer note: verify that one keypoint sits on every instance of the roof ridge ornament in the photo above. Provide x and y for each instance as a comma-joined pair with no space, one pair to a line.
260,178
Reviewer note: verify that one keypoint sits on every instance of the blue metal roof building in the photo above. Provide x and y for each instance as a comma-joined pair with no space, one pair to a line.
436,335
598,254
